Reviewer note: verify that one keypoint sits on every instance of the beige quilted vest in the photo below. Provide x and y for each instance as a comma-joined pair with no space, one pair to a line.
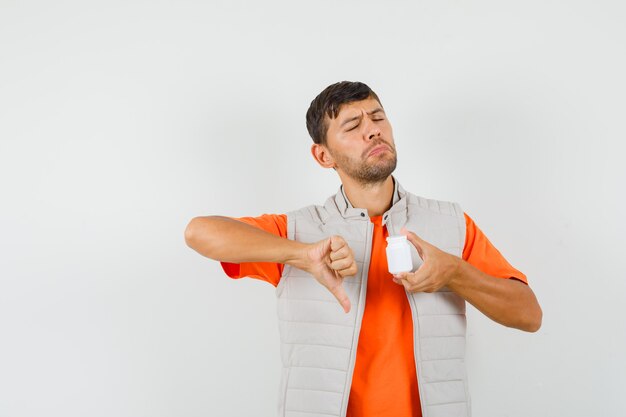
319,340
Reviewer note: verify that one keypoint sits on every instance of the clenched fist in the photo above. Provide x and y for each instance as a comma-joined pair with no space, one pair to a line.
330,261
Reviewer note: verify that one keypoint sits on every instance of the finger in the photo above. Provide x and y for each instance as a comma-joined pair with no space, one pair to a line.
343,252
340,294
337,242
407,284
418,281
401,275
350,271
341,264
419,243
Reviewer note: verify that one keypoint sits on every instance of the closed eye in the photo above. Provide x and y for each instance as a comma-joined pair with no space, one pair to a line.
377,119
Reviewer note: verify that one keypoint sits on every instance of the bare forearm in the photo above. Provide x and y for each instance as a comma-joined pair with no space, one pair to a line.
228,240
506,301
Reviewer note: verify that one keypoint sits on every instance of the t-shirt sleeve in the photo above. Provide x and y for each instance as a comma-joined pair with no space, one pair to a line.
479,252
266,271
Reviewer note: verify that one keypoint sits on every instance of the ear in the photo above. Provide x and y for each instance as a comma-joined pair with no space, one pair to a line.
322,156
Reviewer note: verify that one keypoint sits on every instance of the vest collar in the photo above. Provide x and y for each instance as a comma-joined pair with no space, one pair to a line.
348,211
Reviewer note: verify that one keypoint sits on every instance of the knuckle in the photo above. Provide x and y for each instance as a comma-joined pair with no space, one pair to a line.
339,265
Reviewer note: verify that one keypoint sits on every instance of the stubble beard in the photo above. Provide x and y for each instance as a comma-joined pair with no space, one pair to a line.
370,171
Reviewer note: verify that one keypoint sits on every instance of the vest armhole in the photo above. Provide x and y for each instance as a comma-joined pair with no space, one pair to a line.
460,217
282,282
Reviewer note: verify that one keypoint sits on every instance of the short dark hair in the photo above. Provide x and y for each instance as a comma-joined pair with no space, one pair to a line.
329,102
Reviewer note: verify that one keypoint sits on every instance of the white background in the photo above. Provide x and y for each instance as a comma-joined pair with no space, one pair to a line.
121,121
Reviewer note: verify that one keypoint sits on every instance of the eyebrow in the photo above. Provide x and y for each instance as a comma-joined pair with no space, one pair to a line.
376,110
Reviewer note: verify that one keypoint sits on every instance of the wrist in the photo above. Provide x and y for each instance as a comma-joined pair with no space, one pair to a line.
297,256
458,273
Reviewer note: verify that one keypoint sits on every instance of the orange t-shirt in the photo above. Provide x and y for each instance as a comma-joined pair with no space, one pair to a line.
384,380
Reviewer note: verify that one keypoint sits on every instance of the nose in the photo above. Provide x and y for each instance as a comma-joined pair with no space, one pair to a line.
372,130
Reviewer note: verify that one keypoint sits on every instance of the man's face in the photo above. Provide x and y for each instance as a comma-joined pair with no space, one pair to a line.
360,142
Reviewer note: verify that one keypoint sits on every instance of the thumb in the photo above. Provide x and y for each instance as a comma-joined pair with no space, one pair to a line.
340,294
335,286
419,243
337,289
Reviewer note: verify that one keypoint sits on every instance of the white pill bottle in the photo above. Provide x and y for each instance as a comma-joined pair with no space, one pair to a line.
399,254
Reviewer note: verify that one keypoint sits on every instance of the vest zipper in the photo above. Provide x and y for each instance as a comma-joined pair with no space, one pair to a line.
359,318
416,346
416,350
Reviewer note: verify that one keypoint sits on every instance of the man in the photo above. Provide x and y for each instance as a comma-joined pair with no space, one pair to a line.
396,346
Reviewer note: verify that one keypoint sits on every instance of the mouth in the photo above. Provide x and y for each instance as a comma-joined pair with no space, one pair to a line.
378,149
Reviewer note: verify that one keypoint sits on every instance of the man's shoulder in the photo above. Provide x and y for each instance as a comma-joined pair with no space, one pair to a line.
274,223
449,207
309,211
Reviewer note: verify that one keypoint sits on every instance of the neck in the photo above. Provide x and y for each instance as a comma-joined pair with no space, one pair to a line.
375,197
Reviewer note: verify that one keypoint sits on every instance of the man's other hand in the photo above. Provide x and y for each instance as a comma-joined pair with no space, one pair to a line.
438,269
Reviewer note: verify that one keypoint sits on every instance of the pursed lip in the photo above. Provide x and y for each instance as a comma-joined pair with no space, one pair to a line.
378,149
